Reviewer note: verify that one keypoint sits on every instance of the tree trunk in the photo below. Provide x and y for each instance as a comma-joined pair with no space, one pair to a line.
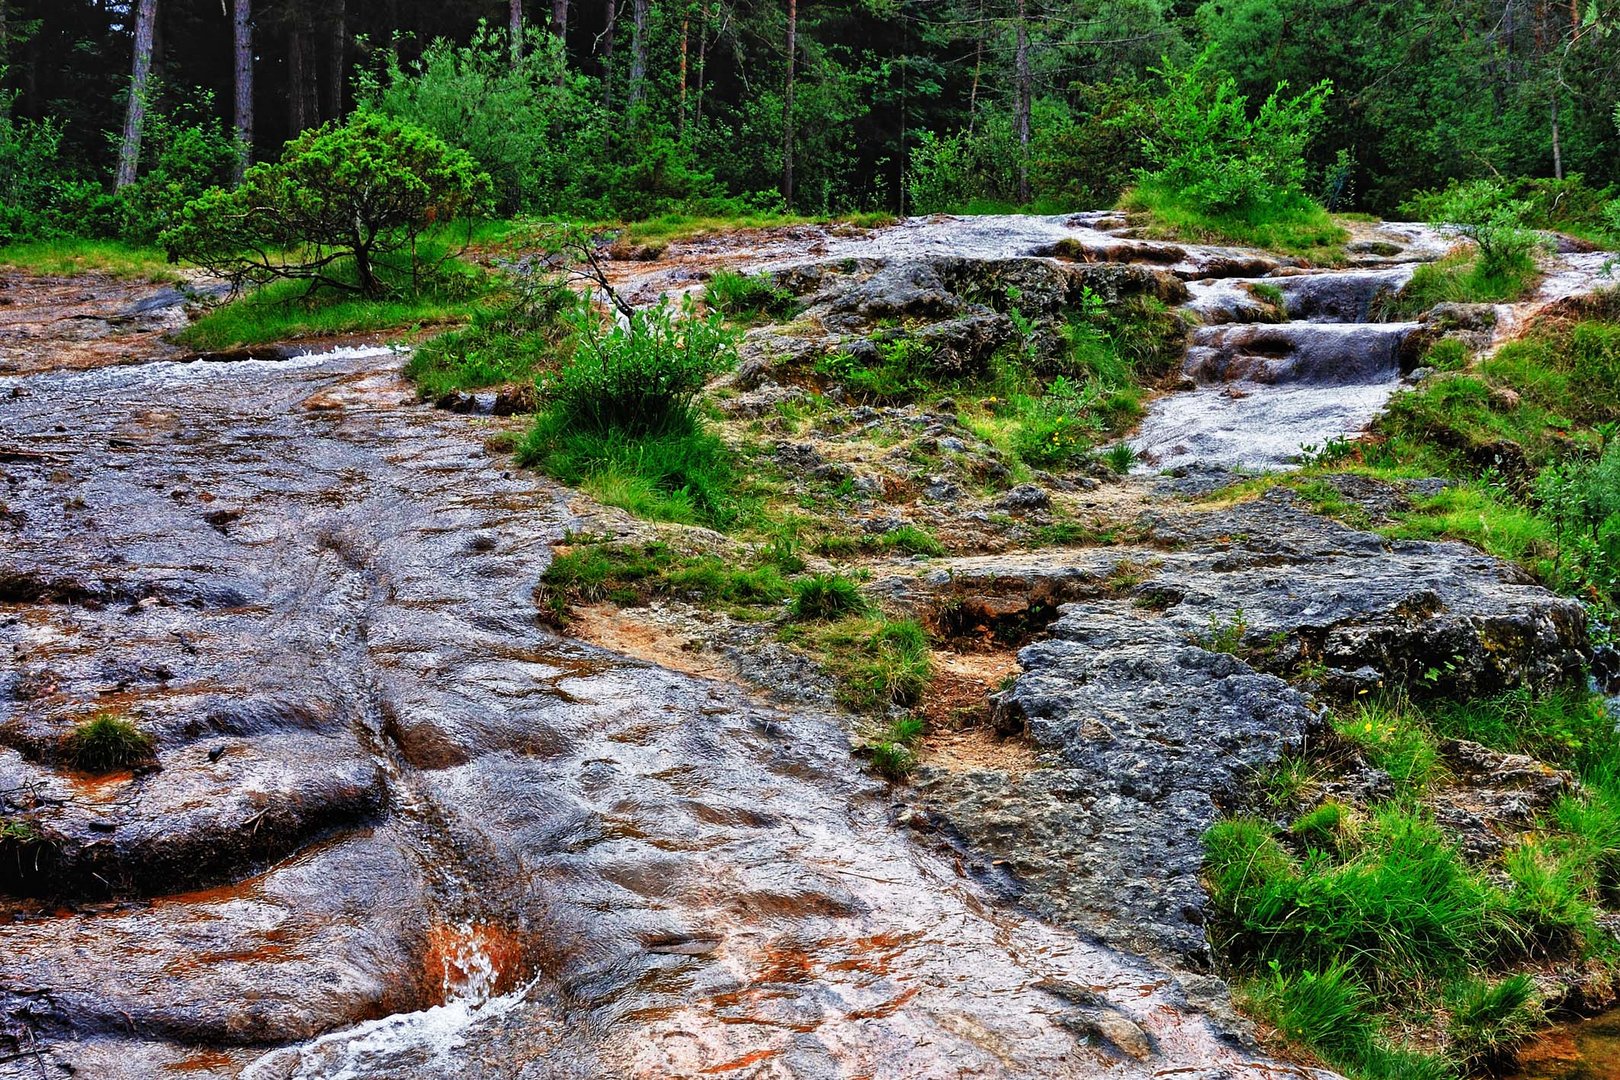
686,31
337,60
1025,92
703,59
129,150
787,104
1557,146
559,18
297,120
242,51
978,68
606,40
638,53
514,26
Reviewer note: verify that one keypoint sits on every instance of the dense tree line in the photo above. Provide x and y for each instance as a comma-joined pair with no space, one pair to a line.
632,106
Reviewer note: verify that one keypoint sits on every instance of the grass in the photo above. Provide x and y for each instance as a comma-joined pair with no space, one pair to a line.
285,311
748,298
75,256
1302,227
1461,279
107,742
632,574
827,596
879,663
669,228
509,341
1394,737
894,749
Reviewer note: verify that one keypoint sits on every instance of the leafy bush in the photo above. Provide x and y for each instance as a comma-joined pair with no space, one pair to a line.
1484,212
1221,157
31,170
643,375
352,195
524,120
185,150
108,741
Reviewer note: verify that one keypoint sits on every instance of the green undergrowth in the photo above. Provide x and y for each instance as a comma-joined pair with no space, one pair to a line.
878,663
670,228
511,338
76,256
1298,226
633,574
1366,935
747,298
289,310
1461,279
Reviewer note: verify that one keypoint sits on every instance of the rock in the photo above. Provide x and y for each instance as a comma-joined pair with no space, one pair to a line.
963,346
1024,498
1464,317
1504,398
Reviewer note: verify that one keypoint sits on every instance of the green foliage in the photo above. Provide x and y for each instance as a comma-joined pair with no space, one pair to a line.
106,742
1461,281
747,298
1484,212
901,368
1220,157
1325,1011
1120,457
1489,1020
827,596
526,121
1569,729
359,194
31,170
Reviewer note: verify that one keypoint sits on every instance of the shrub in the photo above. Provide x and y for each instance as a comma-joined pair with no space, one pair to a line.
31,171
827,596
106,742
350,195
523,120
641,376
1221,157
1484,212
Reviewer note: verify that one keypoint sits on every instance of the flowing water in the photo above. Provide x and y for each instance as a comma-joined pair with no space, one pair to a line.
402,830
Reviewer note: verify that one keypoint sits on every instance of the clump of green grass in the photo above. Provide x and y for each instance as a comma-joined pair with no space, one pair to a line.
747,297
1448,354
878,663
894,750
912,540
902,369
827,596
632,574
1461,280
1394,737
1489,1020
512,339
106,742
1120,457
1292,227
287,310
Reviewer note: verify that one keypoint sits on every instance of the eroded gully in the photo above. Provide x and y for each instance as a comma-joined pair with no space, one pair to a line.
402,830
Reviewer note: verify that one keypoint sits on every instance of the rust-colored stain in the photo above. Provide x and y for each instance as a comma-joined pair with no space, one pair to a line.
271,952
451,958
202,1061
743,1062
887,1008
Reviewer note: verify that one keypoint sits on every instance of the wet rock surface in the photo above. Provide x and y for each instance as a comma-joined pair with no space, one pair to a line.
1155,696
400,829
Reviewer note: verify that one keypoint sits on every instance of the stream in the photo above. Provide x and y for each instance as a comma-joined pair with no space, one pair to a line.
401,830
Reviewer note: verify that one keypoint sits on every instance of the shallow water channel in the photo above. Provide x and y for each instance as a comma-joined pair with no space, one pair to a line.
402,830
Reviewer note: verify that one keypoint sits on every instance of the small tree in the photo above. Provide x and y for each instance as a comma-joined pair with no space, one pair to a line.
1215,156
343,197
1486,213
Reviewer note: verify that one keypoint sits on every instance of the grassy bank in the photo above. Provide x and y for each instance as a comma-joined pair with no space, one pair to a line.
70,256
1298,227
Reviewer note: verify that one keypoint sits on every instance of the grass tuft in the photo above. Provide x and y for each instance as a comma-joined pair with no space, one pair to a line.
107,742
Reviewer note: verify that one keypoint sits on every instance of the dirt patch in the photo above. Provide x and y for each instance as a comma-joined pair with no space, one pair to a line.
635,634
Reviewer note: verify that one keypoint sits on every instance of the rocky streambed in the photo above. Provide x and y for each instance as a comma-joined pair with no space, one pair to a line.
397,827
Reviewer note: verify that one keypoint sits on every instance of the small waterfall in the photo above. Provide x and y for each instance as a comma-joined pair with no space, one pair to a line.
1263,390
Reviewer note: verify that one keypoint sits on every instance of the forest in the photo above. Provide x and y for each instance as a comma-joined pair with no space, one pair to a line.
114,112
